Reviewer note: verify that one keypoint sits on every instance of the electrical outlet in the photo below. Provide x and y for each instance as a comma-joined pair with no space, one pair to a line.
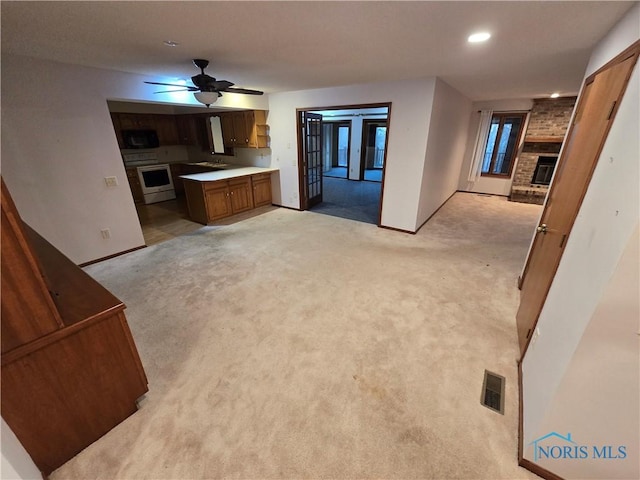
111,181
106,233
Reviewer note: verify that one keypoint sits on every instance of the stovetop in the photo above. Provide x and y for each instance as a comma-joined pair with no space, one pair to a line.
139,159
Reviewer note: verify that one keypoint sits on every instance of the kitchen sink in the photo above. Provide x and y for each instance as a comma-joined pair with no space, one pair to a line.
210,164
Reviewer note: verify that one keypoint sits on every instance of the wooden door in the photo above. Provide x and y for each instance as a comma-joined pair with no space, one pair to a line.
311,149
594,114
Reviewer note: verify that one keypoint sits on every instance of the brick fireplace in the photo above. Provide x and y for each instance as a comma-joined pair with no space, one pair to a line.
548,123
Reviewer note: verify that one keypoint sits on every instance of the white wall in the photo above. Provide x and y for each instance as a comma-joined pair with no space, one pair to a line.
490,185
408,128
603,382
448,132
605,224
58,144
16,463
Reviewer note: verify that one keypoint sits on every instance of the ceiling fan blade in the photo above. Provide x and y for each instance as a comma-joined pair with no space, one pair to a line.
170,91
191,89
243,90
220,84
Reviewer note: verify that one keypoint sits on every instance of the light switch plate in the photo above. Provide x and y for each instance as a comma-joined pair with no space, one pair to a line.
111,181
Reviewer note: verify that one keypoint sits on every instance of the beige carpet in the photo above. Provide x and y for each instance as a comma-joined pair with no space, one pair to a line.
299,345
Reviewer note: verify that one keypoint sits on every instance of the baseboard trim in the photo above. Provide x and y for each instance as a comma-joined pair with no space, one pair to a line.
288,208
507,196
397,229
98,260
538,470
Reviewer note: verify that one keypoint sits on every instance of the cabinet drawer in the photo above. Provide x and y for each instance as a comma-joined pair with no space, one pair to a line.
215,185
239,181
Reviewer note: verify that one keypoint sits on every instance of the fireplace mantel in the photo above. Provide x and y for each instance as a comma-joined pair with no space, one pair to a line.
551,139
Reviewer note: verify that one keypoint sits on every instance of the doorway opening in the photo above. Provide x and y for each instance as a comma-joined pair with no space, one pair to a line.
342,159
336,139
374,141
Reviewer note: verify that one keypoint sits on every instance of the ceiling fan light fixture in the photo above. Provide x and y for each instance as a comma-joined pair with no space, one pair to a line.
206,97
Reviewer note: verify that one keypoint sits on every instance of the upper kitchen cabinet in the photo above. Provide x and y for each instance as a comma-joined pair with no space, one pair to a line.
115,119
187,131
167,129
257,129
246,129
165,125
137,121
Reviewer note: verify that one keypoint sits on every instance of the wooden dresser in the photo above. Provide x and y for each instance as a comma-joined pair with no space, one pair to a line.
70,368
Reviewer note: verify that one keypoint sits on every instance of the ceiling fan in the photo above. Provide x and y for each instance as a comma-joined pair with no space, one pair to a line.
207,89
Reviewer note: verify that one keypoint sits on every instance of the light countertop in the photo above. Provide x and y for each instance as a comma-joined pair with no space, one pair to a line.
227,174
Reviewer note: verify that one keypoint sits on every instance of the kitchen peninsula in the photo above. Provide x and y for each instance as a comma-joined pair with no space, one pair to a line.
227,191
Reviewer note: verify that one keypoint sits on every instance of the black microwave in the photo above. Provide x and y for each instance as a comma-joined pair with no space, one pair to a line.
140,139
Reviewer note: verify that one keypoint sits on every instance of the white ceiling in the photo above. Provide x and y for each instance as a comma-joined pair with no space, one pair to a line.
536,47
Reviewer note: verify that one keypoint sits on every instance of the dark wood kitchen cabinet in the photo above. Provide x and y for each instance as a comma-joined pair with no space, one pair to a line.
187,130
167,130
70,368
135,185
117,127
177,169
137,121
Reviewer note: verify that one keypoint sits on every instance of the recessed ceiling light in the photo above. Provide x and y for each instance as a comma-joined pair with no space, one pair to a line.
170,43
479,37
555,95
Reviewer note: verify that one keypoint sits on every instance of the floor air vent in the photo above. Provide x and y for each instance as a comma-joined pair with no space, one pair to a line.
493,392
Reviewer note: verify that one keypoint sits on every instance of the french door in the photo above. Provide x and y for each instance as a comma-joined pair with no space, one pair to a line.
311,157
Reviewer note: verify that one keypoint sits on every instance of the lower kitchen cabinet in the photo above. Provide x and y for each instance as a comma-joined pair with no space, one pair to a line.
240,193
177,169
212,200
217,202
134,184
261,189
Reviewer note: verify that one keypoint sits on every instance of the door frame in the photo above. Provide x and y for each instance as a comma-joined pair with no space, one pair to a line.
304,202
363,145
633,50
